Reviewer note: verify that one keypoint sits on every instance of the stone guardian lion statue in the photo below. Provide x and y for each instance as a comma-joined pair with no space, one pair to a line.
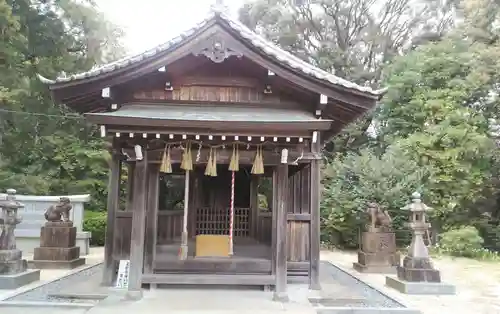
59,211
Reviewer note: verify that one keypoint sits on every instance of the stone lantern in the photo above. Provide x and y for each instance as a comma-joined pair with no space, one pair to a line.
417,275
13,269
419,226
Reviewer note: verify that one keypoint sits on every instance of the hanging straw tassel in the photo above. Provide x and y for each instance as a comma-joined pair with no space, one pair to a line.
258,162
214,163
208,169
166,161
187,159
234,164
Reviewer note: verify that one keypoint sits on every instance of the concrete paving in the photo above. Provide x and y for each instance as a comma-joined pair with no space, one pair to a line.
177,301
47,275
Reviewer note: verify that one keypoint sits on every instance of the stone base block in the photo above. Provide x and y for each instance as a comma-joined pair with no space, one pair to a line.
418,274
19,280
13,267
429,288
28,240
57,236
56,253
374,269
379,258
42,264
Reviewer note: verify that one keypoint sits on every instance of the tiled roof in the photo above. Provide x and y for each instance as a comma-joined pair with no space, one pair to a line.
258,41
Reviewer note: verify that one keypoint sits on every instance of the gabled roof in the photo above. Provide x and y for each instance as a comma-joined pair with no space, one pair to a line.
218,17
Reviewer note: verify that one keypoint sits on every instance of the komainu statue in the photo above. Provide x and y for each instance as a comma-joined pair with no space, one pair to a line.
379,219
59,211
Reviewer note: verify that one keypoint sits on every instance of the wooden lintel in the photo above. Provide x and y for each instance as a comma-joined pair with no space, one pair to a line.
224,156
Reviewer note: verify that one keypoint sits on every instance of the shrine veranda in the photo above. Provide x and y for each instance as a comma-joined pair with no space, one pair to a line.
222,111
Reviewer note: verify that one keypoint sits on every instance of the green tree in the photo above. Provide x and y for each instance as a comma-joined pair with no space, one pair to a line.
45,148
350,182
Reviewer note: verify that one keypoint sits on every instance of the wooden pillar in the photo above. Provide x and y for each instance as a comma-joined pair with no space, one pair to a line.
130,185
280,291
151,217
314,283
254,206
138,229
274,223
112,207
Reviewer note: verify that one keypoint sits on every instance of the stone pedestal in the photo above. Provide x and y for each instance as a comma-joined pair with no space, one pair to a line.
378,253
417,275
58,248
13,269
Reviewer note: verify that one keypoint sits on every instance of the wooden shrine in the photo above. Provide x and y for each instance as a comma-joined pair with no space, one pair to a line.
239,124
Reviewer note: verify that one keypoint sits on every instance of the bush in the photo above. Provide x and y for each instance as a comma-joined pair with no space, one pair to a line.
464,241
95,222
350,182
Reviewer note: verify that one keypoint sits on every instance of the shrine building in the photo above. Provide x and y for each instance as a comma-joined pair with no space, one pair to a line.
220,134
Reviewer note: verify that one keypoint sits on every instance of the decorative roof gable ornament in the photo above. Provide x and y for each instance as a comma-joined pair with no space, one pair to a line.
216,49
219,7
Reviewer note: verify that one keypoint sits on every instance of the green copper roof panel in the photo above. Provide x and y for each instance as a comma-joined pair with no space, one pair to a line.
190,112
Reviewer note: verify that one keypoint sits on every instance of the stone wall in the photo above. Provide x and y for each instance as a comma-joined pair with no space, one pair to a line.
28,231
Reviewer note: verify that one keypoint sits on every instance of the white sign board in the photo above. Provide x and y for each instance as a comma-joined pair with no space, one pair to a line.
123,271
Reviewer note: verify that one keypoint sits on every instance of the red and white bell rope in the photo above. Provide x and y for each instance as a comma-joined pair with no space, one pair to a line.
231,216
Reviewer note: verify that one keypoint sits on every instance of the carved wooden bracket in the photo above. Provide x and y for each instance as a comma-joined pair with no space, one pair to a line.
216,49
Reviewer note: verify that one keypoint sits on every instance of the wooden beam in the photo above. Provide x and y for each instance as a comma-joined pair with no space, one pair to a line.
209,279
314,283
112,207
280,292
138,229
298,217
151,217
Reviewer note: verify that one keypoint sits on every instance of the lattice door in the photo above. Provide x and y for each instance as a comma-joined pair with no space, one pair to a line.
211,220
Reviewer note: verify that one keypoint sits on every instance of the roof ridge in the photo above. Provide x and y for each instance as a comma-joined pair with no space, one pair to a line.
255,39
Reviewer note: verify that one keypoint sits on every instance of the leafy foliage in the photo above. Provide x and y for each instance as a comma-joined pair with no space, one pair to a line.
464,241
44,148
95,223
350,182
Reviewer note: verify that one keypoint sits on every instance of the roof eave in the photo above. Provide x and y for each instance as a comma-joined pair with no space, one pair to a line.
314,125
